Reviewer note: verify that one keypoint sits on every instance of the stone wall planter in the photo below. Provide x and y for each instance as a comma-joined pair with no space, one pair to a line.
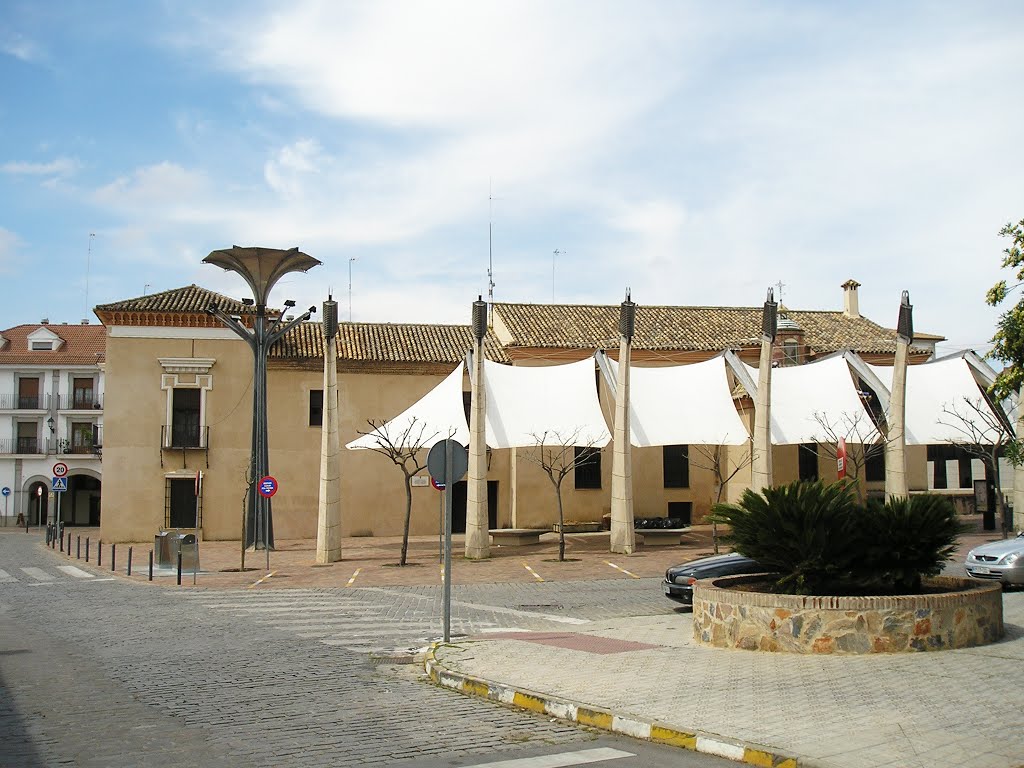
970,613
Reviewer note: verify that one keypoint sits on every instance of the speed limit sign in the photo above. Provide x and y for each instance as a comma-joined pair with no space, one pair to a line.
60,469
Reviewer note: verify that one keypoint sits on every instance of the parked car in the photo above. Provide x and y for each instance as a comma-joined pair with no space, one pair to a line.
679,579
998,560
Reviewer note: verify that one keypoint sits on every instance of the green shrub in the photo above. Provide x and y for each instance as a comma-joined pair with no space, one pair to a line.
821,541
906,539
801,531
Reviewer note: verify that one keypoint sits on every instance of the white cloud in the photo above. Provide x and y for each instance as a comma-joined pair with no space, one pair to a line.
21,48
61,166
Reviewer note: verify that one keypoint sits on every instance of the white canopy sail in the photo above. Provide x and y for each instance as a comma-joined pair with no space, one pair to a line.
557,403
437,415
683,405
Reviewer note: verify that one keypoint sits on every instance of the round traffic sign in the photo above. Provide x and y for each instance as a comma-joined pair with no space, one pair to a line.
60,469
6,491
268,486
437,485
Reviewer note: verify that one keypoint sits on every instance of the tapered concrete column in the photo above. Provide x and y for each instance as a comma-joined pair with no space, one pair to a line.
623,535
478,538
895,439
328,529
761,448
1018,476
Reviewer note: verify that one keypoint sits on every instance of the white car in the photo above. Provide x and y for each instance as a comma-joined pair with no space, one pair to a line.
999,560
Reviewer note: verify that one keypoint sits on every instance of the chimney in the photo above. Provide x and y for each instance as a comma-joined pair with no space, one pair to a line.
851,308
45,321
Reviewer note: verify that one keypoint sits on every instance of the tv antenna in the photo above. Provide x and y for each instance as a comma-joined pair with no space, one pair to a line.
490,245
554,254
88,260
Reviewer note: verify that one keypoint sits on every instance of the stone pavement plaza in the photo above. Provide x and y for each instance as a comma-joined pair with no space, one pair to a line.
948,708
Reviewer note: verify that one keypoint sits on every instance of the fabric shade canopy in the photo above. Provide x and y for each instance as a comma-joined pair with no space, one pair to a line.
683,405
933,390
556,403
817,402
436,416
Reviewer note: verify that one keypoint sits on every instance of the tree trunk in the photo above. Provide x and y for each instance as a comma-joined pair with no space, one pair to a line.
408,518
561,525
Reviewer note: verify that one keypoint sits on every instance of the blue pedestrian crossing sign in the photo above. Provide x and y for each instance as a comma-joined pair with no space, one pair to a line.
60,484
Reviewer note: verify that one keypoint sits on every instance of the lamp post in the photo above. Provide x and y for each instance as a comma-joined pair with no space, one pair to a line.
261,268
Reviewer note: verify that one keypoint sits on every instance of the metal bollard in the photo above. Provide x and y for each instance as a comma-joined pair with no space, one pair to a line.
179,567
129,561
99,553
151,565
62,541
113,556
78,547
47,534
87,549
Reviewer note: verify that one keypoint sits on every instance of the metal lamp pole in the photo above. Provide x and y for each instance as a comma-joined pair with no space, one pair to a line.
261,268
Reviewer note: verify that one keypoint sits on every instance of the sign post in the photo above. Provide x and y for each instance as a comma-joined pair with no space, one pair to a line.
60,471
447,463
267,488
7,497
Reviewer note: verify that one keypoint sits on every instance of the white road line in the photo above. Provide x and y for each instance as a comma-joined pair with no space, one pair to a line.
581,757
38,574
5,577
78,573
292,608
491,608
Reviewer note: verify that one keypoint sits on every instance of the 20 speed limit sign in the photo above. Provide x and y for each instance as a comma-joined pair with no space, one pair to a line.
60,469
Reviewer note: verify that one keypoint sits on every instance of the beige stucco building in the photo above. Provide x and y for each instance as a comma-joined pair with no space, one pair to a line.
179,395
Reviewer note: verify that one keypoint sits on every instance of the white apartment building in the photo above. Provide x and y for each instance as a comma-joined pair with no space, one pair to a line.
51,411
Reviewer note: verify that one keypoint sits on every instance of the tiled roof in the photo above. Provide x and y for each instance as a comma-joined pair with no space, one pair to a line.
178,306
386,343
83,345
681,328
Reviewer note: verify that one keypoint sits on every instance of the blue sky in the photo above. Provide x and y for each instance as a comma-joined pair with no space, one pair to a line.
697,153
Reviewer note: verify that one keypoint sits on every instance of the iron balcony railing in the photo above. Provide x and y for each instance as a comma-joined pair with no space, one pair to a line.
184,436
10,446
80,401
24,402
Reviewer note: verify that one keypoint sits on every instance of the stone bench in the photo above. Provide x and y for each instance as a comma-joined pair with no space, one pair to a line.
661,537
516,537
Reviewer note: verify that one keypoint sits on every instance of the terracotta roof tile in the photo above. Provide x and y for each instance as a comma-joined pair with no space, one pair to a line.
682,328
176,307
83,345
386,343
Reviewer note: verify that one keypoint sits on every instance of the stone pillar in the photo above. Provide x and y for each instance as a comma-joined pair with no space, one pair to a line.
895,439
478,538
328,529
623,535
761,447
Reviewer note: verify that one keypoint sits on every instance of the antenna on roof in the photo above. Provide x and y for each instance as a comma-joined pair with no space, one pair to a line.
490,245
88,259
554,254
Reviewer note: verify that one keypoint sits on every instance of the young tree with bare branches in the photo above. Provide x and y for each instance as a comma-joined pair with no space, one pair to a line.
723,468
556,454
403,449
985,433
863,441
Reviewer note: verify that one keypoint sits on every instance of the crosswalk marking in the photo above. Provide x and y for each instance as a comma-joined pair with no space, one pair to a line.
38,574
338,619
5,577
78,573
561,760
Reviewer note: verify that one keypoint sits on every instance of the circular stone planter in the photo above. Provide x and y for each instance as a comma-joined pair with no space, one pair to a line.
969,613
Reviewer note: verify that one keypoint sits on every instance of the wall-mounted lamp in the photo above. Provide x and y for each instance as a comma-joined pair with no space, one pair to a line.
51,425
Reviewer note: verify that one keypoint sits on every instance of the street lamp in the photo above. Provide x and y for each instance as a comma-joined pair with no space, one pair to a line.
261,268
50,424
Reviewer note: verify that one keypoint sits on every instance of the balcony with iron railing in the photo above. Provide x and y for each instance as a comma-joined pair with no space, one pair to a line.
10,402
184,437
83,444
80,401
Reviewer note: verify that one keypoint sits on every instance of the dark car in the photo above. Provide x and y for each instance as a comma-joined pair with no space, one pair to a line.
679,579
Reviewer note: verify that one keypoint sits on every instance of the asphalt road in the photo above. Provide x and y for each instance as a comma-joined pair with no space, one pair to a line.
99,672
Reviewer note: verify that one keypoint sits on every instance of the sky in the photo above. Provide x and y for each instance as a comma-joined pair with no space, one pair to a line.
692,153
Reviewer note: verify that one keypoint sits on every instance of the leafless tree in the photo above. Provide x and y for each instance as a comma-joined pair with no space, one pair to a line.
985,433
556,454
723,468
403,449
249,478
864,442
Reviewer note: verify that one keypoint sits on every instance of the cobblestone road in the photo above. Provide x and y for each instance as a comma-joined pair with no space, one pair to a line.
97,672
